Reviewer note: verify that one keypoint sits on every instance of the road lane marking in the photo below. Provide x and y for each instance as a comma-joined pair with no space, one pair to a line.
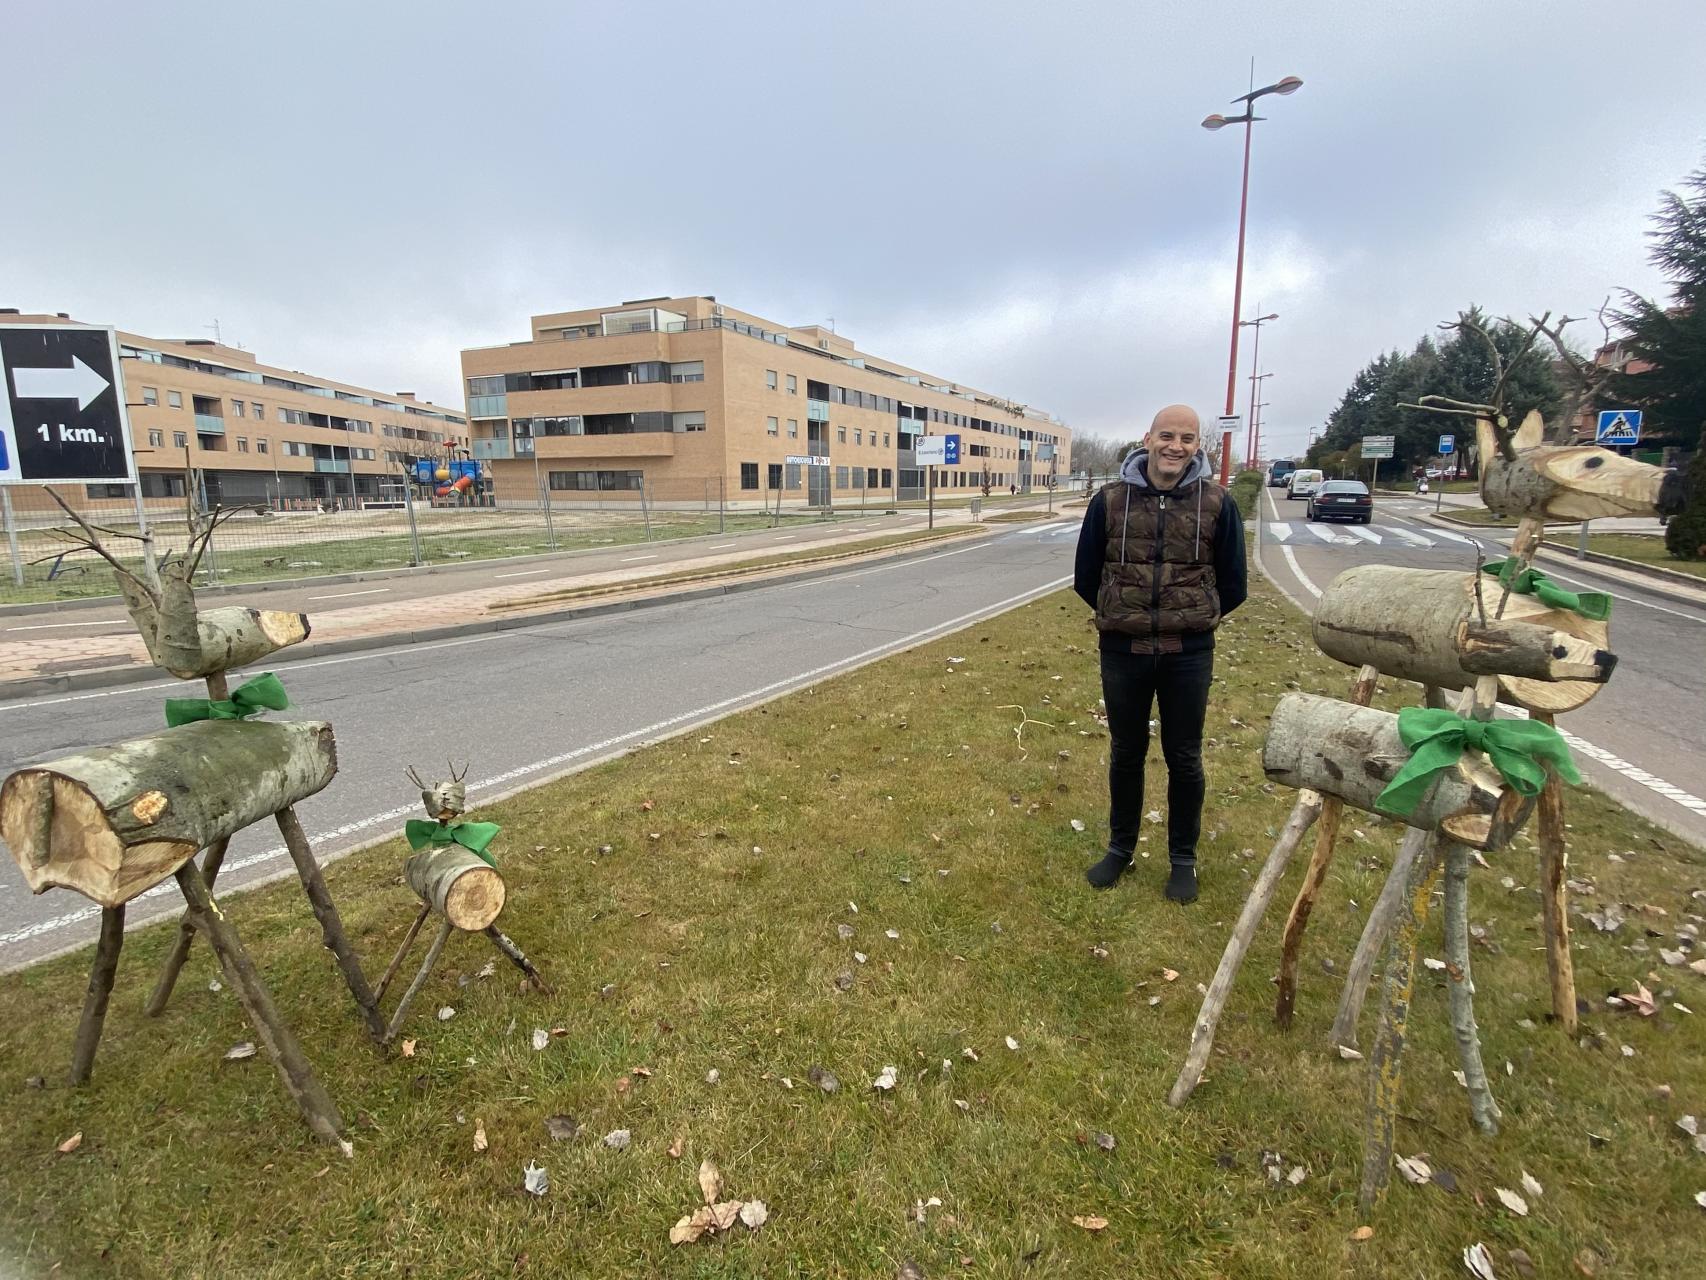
1322,532
345,595
1367,534
580,757
721,546
786,537
631,559
1282,531
521,573
1414,539
1285,550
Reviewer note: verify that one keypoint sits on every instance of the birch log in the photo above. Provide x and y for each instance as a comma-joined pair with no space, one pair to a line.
1571,482
114,821
1303,816
1374,934
458,884
1353,752
1483,1110
1424,625
95,998
1554,909
201,642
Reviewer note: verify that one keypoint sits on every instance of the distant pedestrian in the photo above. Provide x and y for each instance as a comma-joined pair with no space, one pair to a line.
1161,561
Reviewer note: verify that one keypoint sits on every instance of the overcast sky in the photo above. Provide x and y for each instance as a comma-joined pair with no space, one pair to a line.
1015,196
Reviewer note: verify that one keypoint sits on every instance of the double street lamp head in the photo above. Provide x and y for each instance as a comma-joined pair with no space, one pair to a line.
1245,324
1288,85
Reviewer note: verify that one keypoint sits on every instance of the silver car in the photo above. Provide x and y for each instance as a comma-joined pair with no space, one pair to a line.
1302,483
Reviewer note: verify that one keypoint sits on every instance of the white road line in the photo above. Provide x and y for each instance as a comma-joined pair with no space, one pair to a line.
1285,550
521,573
345,595
1366,533
1322,532
48,626
786,537
1282,531
1454,537
621,744
631,559
1414,539
721,546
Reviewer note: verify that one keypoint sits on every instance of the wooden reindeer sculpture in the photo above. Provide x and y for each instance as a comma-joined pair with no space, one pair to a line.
456,878
113,821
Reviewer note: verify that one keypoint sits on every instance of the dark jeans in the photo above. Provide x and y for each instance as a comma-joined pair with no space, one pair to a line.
1131,682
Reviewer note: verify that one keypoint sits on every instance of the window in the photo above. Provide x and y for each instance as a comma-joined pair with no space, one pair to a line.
691,421
260,410
770,379
871,477
888,478
770,426
174,399
150,395
156,439
749,475
687,371
180,439
237,408
841,435
858,436
261,445
793,385
841,477
793,428
242,444
775,475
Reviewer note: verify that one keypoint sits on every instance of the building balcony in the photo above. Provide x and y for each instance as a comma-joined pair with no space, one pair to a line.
638,444
496,448
209,424
337,465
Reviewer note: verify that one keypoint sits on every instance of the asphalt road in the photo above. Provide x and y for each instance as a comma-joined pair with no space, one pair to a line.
1643,737
529,704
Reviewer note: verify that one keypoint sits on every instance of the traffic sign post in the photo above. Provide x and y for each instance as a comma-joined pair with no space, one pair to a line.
62,418
1447,445
1618,427
931,451
1374,448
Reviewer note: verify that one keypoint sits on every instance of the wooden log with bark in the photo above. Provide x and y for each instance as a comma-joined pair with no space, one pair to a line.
1570,482
114,821
1376,929
1483,1110
212,640
458,884
95,999
1438,627
1353,752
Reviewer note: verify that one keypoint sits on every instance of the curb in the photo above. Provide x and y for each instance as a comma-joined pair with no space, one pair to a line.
1636,567
137,673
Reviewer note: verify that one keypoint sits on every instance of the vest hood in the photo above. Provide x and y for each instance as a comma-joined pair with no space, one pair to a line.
1135,469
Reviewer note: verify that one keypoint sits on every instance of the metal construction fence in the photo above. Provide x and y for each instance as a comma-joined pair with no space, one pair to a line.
262,543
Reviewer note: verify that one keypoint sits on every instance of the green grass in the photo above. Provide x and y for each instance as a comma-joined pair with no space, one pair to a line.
1482,517
1646,548
734,853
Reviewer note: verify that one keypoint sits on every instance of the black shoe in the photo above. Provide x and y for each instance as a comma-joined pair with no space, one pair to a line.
1182,883
1108,871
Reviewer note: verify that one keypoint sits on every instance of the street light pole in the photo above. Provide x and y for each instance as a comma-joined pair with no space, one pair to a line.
1256,380
1255,363
1290,84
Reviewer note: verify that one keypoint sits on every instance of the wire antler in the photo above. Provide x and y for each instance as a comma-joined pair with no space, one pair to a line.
455,776
415,778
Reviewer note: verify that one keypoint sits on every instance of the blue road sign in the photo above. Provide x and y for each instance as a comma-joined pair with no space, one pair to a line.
951,451
1618,426
1447,444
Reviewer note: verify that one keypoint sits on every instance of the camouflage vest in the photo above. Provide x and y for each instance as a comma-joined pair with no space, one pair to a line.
1158,567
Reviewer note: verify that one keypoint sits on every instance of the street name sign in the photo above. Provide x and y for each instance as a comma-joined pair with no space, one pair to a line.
1447,444
938,450
1618,426
806,460
1378,446
62,417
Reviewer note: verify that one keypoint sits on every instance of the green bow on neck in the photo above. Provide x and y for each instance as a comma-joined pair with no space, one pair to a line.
1594,605
472,836
265,692
1521,750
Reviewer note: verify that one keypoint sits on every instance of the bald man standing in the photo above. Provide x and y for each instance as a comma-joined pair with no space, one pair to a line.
1161,561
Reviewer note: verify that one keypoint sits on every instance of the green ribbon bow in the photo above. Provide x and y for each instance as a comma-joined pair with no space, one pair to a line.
1521,750
472,836
264,692
1594,605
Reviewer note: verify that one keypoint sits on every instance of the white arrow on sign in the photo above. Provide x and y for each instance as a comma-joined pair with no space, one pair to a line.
79,383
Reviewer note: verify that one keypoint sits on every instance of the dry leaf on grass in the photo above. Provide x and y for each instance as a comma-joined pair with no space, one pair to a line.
1012,1044
713,1076
1106,1141
725,1214
824,1079
969,1054
710,1180
1090,1222
480,1143
1479,1262
1349,1054
409,1048
237,1052
562,1128
70,1144
1414,1170
541,1038
1530,1185
885,1079
1297,1175
1077,825
534,1180
909,1270
844,931
1363,1233
1515,1203
1169,975
446,1014
618,1139
674,1149
754,1214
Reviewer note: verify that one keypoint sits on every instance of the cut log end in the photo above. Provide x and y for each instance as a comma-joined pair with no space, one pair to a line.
458,884
475,900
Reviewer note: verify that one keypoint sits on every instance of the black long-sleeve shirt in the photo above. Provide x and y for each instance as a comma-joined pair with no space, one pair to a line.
1231,575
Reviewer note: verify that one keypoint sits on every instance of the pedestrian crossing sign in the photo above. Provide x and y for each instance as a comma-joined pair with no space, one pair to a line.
1618,426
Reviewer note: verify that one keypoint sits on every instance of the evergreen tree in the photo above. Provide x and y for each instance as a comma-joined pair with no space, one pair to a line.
1672,336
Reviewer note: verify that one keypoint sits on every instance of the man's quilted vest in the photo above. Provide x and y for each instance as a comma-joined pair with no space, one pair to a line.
1158,568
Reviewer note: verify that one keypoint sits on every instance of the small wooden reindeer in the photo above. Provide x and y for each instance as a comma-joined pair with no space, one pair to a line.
456,878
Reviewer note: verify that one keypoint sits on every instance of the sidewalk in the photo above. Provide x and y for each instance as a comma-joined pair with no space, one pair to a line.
58,662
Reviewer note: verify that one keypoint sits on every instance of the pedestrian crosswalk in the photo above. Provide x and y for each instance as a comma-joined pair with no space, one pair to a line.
1305,532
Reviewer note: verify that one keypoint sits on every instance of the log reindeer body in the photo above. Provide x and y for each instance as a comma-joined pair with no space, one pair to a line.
1570,482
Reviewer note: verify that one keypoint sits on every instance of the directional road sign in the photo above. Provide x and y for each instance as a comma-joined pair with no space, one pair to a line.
62,417
938,450
1618,426
1447,444
1378,446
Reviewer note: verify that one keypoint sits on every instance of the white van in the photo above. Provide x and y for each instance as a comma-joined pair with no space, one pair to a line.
1302,483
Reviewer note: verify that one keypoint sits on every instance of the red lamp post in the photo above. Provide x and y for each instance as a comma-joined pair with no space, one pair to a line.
1255,426
1290,84
1255,363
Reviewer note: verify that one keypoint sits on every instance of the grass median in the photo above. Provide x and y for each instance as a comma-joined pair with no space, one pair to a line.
881,871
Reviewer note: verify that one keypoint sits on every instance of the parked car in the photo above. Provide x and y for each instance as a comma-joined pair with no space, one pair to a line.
1302,483
1341,500
1278,470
